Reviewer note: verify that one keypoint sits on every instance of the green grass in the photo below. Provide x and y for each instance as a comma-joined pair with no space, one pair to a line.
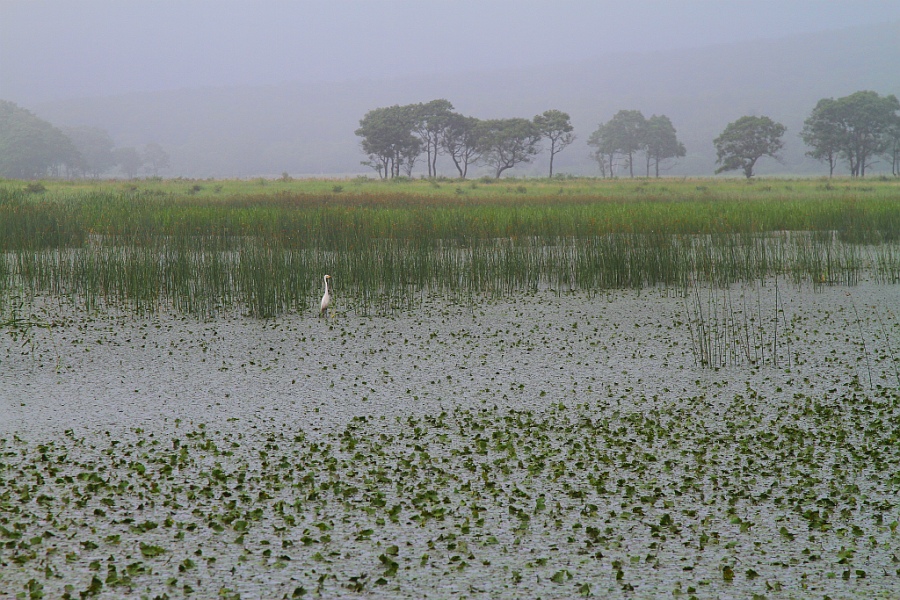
263,245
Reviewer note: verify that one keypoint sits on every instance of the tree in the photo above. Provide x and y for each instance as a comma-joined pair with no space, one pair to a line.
30,146
624,134
156,158
865,119
555,126
129,161
95,148
508,142
823,132
660,142
627,131
604,149
430,123
745,141
892,148
461,140
388,140
855,128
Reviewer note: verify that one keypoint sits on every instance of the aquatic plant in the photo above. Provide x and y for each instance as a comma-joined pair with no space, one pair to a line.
264,254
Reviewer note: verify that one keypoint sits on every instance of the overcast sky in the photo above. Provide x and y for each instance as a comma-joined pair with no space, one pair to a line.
55,49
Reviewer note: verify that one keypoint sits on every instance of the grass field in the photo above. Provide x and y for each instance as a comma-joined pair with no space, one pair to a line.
263,245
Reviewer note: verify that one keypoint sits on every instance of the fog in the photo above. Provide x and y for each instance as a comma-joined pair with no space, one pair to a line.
56,49
242,89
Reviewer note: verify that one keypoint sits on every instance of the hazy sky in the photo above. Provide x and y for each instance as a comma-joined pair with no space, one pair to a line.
53,49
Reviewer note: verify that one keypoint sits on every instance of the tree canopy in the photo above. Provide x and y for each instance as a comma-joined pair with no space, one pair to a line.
430,120
555,126
629,133
388,139
394,137
745,141
129,160
462,141
660,142
95,149
508,142
30,146
855,128
156,158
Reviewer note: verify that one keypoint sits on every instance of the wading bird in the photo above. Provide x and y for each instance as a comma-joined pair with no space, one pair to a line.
326,297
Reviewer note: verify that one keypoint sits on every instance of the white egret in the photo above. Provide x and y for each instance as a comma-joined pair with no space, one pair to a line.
326,297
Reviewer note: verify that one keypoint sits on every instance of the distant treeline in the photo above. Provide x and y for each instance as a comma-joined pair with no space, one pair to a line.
31,148
855,129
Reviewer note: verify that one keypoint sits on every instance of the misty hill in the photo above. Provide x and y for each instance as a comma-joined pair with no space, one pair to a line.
308,129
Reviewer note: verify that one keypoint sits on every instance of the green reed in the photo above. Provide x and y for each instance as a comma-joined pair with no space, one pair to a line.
264,254
733,325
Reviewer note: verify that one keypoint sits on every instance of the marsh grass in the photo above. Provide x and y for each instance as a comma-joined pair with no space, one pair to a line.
738,325
263,251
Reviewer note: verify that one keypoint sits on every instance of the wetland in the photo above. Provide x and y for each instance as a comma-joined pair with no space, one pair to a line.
469,430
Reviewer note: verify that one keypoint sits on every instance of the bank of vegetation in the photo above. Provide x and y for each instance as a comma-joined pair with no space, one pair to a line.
262,247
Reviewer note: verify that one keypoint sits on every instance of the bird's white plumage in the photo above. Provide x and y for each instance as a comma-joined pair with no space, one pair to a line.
326,297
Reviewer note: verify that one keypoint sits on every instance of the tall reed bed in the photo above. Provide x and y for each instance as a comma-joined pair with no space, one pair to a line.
266,253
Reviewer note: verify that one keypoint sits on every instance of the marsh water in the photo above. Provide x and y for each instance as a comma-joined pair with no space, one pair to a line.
547,445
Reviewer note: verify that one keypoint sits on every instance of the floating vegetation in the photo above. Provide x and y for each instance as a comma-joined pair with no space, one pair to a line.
546,446
572,499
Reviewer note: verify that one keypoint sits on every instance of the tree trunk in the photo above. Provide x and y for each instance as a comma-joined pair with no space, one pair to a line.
434,158
462,173
748,168
552,154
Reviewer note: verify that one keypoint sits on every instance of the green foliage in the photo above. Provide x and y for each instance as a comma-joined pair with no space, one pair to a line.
745,141
623,487
394,137
661,142
856,128
163,244
555,125
823,133
628,133
461,142
388,140
508,142
31,147
624,134
429,122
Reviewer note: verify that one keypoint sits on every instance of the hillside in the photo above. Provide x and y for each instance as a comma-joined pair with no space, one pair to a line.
308,129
